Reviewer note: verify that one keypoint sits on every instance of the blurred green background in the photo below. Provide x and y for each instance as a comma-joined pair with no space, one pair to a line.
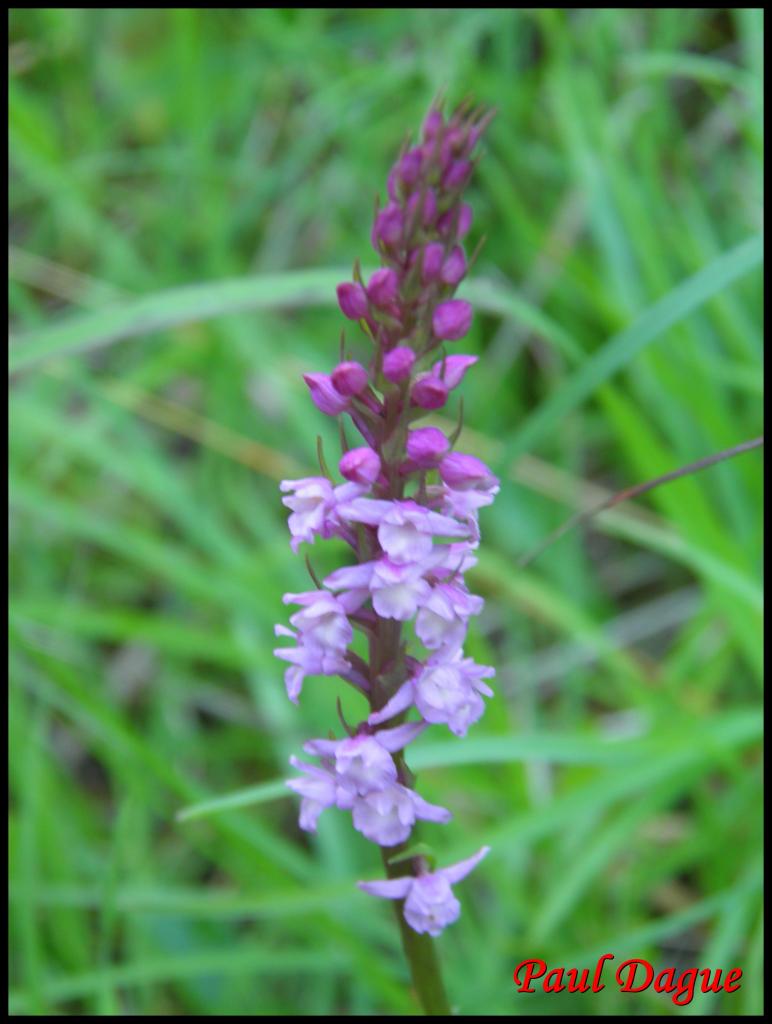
154,405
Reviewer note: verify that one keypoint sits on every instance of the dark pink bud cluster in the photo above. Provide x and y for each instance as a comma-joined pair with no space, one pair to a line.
418,235
408,508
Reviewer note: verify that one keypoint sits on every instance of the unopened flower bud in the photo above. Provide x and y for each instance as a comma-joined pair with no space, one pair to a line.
324,395
409,167
432,124
428,207
387,230
393,185
433,255
398,363
360,465
474,136
454,267
451,320
451,369
352,300
428,392
457,220
465,473
457,175
349,378
382,288
426,446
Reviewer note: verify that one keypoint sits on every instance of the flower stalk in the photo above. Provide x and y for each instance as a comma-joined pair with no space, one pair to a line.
419,948
408,508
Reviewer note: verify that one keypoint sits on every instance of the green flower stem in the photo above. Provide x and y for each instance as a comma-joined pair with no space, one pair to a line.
419,949
387,673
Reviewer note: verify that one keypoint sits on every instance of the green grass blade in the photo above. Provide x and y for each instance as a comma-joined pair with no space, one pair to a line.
623,347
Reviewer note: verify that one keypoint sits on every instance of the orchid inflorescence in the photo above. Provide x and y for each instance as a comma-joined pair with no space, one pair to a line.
408,508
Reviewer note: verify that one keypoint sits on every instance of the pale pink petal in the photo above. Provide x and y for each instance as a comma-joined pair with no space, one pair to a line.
399,737
460,870
365,510
325,748
389,889
352,600
293,680
404,542
401,701
400,600
350,577
430,812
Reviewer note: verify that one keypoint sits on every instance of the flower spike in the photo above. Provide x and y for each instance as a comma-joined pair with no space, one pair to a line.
408,508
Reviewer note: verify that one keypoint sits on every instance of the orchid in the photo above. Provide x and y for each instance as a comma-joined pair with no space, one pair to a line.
429,901
408,510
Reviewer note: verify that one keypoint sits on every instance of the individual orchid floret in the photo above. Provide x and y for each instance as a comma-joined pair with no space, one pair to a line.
387,816
360,466
312,501
452,320
443,618
363,763
397,590
325,395
445,690
398,363
469,485
318,789
405,528
309,661
430,905
323,619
